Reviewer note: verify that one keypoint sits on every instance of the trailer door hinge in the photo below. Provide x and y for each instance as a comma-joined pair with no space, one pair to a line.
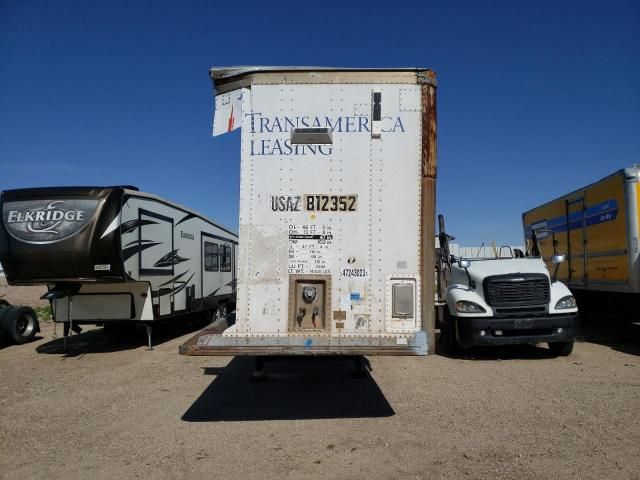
376,114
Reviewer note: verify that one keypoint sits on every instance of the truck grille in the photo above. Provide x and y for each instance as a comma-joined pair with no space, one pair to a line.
516,290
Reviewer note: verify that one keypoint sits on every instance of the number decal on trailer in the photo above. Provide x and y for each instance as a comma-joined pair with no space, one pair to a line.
314,203
330,203
355,272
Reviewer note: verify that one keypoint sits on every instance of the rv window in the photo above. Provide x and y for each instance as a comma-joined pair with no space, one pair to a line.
211,257
226,259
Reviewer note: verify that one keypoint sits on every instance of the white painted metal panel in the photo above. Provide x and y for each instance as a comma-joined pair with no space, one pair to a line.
106,301
101,307
379,239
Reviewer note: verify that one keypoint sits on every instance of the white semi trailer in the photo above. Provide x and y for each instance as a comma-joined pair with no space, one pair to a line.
337,181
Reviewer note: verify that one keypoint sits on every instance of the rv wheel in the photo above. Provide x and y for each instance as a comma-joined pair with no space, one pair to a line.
223,310
561,349
20,323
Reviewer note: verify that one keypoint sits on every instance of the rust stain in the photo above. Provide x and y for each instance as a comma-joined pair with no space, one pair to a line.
427,220
429,113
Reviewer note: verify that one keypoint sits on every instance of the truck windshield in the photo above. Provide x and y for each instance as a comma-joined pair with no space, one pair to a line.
489,252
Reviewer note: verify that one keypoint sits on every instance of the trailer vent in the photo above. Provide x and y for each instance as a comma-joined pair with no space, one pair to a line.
517,290
312,136
403,300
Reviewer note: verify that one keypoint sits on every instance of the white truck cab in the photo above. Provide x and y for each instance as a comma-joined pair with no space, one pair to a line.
509,299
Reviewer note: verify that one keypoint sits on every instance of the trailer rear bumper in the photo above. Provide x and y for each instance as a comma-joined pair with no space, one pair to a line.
513,331
211,342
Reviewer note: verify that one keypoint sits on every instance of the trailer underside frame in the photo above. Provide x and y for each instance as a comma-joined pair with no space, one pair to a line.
210,341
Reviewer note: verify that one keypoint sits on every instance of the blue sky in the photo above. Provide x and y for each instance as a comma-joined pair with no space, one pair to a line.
535,98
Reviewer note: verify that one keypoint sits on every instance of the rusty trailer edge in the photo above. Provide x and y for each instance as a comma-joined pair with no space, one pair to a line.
212,342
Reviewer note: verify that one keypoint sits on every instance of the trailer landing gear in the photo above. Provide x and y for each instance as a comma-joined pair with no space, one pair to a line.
65,334
360,364
149,342
258,370
360,367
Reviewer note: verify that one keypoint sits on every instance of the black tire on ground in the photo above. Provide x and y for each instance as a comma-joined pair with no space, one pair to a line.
223,309
561,349
216,314
20,324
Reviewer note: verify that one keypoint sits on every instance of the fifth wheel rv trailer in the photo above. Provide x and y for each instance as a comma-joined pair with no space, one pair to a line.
116,255
597,226
337,181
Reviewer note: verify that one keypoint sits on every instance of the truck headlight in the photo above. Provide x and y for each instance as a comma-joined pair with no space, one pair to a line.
566,302
463,306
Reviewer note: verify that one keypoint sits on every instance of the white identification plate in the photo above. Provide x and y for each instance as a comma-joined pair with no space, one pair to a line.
310,249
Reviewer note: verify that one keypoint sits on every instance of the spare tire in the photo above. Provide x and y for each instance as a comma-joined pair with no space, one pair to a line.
20,324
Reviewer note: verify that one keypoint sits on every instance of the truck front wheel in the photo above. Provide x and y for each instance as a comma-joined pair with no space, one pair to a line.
561,349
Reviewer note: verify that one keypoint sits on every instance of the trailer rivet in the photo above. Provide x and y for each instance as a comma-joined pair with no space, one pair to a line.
482,333
560,330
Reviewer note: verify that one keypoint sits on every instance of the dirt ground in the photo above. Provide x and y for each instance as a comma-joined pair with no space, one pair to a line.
22,295
109,408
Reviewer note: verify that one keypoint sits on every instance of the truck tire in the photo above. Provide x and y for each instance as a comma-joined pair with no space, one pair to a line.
20,324
561,349
223,309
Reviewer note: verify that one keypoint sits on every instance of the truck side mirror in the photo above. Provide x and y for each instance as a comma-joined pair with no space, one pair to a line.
466,264
558,259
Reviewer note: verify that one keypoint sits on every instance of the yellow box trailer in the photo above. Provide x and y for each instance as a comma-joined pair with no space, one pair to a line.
597,228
